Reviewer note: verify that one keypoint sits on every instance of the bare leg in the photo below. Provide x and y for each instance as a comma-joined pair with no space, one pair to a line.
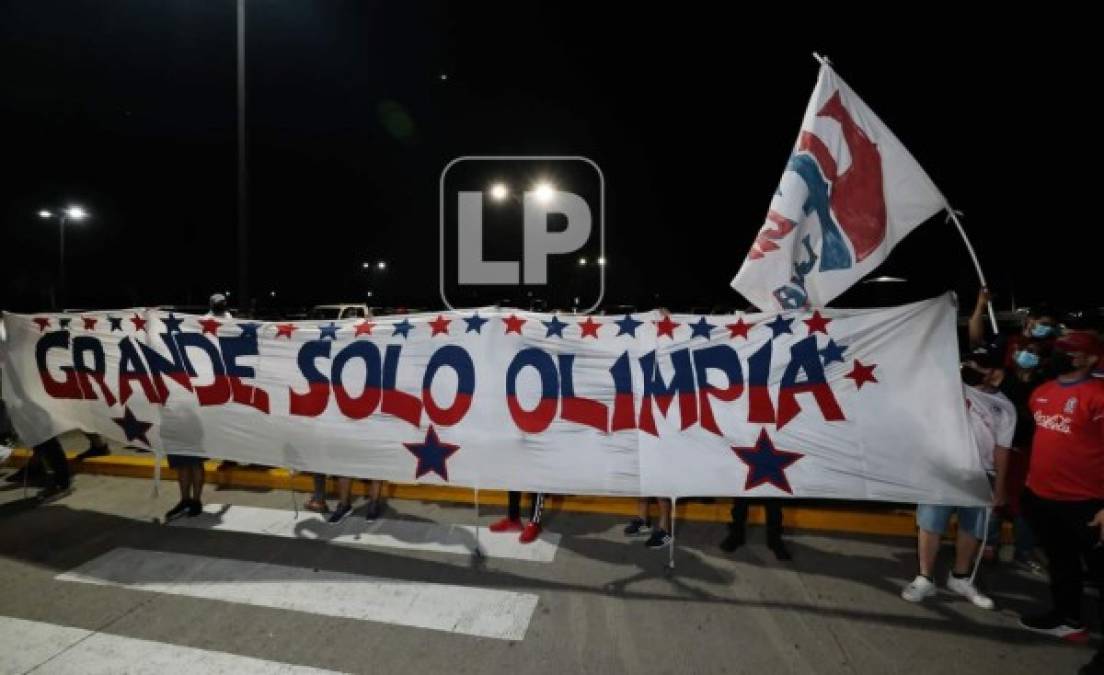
184,480
966,548
664,514
927,548
197,482
345,490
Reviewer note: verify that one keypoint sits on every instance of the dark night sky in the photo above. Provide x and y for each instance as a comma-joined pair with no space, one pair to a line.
129,108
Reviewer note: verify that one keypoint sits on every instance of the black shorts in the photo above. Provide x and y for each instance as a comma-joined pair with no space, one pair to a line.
181,461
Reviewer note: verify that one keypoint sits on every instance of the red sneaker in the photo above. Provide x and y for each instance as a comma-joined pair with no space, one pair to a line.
506,525
531,532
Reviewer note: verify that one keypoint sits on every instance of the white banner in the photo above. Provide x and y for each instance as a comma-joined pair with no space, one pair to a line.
850,192
852,404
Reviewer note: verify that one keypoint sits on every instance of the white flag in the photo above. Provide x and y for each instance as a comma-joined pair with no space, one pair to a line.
850,192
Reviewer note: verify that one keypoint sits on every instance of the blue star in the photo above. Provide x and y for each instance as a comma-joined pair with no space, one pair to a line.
249,330
628,326
329,331
133,428
701,328
475,323
780,326
766,464
64,322
116,322
832,352
172,324
432,455
555,327
403,328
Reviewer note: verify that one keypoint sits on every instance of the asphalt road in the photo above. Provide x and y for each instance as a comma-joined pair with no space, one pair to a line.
90,583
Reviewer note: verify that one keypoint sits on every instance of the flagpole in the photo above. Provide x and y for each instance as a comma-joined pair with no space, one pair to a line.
953,215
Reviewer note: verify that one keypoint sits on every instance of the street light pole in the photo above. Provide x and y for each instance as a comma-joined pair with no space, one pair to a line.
243,210
63,216
61,260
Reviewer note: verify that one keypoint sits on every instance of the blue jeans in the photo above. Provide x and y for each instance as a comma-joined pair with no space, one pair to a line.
933,518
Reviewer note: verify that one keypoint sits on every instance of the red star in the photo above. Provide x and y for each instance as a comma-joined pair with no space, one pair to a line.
89,322
210,326
43,323
440,325
284,330
364,328
513,324
666,327
139,322
590,327
862,374
817,323
738,329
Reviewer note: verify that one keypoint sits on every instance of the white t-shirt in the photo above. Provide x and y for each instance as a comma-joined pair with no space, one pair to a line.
993,421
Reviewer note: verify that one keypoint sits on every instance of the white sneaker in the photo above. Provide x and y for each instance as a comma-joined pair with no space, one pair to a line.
969,591
920,588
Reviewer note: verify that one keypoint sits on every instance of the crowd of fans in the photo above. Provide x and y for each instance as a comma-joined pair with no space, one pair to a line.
1035,402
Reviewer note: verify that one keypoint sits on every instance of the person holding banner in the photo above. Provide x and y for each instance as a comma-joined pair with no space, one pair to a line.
738,527
659,536
372,509
1064,500
317,502
1038,329
993,421
512,521
190,478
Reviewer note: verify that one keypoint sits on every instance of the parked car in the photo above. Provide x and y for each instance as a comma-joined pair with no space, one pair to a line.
339,311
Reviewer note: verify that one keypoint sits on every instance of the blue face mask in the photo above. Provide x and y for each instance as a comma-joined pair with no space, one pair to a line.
1027,360
1041,330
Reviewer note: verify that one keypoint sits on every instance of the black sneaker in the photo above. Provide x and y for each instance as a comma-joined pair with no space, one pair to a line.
179,510
372,510
54,492
637,526
33,477
195,507
731,542
340,513
780,551
92,451
659,538
1055,626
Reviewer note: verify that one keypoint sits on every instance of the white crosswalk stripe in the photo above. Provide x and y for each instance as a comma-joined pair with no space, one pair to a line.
386,532
457,609
36,647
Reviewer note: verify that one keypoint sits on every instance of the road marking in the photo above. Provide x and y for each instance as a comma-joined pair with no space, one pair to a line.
33,646
455,609
385,532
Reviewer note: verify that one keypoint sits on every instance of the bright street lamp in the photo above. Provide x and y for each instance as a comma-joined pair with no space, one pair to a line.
71,212
544,192
499,192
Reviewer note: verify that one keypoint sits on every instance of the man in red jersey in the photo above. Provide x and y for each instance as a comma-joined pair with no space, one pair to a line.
1064,500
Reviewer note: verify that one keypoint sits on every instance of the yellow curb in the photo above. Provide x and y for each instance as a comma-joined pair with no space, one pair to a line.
873,520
